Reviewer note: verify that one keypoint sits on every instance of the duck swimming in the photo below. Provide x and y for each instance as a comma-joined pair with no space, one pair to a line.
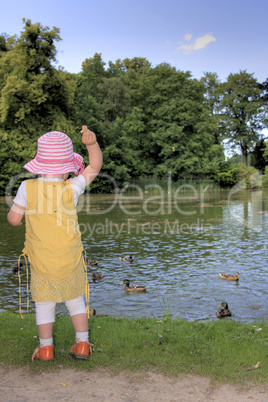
90,262
133,288
224,311
127,259
96,277
16,267
228,277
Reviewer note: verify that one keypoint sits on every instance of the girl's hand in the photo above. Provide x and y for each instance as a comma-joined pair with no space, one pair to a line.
88,137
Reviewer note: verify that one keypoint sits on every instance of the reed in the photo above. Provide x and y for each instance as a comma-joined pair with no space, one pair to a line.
225,350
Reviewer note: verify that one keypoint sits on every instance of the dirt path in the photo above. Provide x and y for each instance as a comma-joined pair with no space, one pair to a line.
17,385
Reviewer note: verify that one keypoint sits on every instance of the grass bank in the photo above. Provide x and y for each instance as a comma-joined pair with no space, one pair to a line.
223,350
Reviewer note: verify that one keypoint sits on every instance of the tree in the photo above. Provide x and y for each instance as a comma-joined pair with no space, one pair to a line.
264,88
242,111
179,126
35,97
6,43
212,94
114,98
257,156
88,108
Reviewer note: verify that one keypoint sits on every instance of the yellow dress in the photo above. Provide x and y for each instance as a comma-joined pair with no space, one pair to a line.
53,242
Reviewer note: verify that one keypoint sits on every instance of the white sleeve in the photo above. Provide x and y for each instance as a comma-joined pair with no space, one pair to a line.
21,196
78,185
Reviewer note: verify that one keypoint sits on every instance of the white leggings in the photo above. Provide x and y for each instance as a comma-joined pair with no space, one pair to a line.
45,312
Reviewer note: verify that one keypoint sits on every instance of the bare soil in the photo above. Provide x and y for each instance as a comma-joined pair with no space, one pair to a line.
17,385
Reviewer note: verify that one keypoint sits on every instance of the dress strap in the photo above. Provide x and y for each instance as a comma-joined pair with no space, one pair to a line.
27,285
87,284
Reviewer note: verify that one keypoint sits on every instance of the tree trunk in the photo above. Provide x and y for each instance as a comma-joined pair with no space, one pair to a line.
245,158
244,151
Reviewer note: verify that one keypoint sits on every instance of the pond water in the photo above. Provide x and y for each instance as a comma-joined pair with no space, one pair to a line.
180,242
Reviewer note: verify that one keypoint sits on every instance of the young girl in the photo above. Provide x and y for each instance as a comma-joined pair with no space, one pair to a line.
53,240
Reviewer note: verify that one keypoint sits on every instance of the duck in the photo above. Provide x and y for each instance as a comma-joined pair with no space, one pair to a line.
92,313
16,268
229,277
96,277
90,262
133,288
93,262
224,311
127,259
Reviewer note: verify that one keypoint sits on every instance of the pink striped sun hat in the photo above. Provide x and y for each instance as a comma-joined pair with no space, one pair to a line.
55,156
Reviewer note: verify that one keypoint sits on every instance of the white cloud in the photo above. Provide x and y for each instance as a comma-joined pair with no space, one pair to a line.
197,44
202,42
188,37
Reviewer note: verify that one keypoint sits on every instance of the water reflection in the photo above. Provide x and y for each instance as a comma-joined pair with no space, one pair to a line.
179,248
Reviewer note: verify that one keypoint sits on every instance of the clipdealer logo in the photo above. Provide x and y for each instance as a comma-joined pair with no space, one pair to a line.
133,227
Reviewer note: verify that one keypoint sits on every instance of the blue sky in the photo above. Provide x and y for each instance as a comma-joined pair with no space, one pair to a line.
191,35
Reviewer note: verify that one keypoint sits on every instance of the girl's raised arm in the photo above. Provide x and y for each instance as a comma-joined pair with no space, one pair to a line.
94,153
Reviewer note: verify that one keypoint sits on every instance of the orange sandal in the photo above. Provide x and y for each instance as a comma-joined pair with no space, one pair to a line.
81,350
46,353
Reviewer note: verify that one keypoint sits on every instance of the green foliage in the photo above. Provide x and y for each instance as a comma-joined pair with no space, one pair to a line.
26,73
242,111
212,93
258,157
35,97
247,174
264,88
239,174
265,152
114,98
88,108
179,124
227,179
149,121
265,177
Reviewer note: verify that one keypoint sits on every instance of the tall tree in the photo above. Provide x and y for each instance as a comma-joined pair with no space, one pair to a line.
35,97
257,156
114,98
242,111
178,124
264,88
24,72
212,99
88,107
6,43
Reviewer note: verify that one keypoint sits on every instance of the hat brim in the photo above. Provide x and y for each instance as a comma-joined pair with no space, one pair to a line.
76,166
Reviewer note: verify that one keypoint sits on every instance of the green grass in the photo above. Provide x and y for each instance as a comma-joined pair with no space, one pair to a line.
222,350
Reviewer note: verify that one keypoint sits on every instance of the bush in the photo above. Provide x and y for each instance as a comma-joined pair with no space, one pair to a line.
265,177
229,178
240,173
